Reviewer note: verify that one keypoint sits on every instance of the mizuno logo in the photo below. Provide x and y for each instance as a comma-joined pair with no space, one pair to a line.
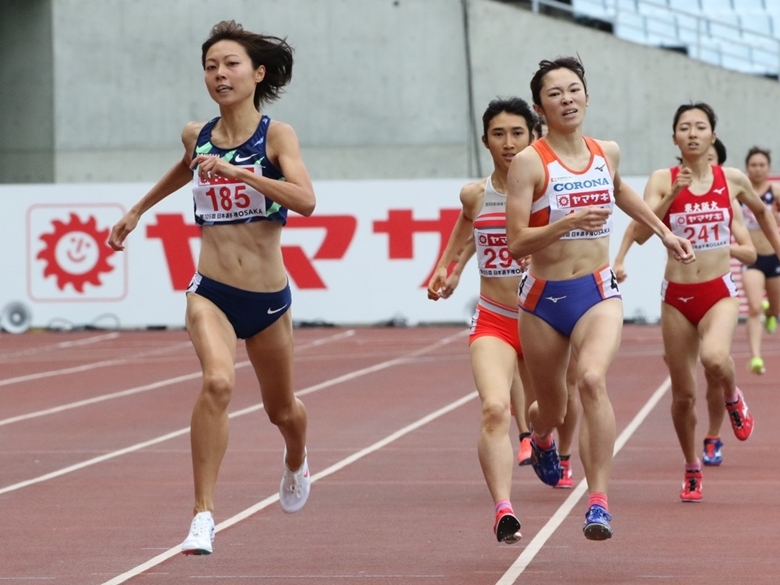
272,311
240,158
719,191
555,299
685,299
601,168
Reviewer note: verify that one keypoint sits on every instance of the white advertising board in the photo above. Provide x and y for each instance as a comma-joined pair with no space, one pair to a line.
364,257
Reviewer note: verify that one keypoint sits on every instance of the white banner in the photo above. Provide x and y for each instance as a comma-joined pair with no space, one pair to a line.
364,257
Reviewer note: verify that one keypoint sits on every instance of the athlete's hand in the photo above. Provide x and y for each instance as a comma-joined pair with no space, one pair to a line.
450,284
683,180
681,249
121,230
619,269
590,219
210,165
436,284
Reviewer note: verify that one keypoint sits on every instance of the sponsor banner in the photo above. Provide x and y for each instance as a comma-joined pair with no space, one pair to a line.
364,257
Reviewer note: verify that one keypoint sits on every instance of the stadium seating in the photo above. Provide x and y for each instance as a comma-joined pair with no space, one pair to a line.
743,35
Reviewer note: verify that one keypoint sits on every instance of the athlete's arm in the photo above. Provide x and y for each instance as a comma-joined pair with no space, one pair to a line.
745,194
743,250
618,266
629,201
659,196
177,177
525,177
453,279
470,198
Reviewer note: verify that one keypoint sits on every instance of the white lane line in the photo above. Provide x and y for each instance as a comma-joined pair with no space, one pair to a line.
60,345
174,434
154,385
92,366
565,509
176,550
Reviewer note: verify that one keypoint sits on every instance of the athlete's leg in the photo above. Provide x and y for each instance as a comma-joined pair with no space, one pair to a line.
595,342
517,394
753,283
271,354
568,429
716,330
773,295
215,345
681,351
493,363
546,359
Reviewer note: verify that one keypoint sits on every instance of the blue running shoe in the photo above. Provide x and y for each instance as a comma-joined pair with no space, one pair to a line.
713,451
546,463
597,523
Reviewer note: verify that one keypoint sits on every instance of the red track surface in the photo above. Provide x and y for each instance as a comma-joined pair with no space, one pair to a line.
92,493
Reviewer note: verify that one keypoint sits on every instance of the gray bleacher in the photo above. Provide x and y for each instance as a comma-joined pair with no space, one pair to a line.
743,35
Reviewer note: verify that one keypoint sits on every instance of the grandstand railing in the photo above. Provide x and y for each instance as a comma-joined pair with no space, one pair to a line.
745,40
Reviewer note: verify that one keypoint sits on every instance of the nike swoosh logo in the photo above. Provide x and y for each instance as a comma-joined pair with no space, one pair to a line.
240,158
272,311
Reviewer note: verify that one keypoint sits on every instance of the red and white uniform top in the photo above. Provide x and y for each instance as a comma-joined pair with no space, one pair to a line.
493,255
704,220
567,191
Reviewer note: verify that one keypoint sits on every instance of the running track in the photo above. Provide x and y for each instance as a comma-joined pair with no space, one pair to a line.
95,477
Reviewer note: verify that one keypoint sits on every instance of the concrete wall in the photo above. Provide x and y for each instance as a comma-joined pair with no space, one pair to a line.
26,92
634,90
380,87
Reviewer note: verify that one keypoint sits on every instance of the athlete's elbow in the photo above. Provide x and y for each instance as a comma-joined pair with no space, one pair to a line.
306,207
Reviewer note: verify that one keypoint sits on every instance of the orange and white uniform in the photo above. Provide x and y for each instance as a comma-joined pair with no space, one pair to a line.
492,318
561,303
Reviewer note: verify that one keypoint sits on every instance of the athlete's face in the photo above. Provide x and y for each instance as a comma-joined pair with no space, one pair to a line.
507,135
693,134
758,168
229,73
563,99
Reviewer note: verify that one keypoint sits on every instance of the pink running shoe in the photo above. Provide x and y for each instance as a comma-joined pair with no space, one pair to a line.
566,482
507,526
524,453
741,419
691,487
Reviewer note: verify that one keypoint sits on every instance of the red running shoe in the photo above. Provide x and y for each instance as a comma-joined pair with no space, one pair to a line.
741,419
507,526
566,482
691,487
524,453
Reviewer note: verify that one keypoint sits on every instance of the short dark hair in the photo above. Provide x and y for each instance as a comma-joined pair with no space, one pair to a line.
272,52
758,150
545,66
510,105
706,108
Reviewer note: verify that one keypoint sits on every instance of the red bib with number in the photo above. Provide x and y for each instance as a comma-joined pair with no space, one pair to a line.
704,220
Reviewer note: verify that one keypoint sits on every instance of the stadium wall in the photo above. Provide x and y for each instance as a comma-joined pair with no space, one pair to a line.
99,90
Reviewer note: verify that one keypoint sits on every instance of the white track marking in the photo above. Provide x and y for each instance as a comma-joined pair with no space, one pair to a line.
565,509
174,434
60,345
154,385
92,366
172,552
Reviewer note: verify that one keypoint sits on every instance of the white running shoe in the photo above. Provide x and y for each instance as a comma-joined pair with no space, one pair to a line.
295,486
201,536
